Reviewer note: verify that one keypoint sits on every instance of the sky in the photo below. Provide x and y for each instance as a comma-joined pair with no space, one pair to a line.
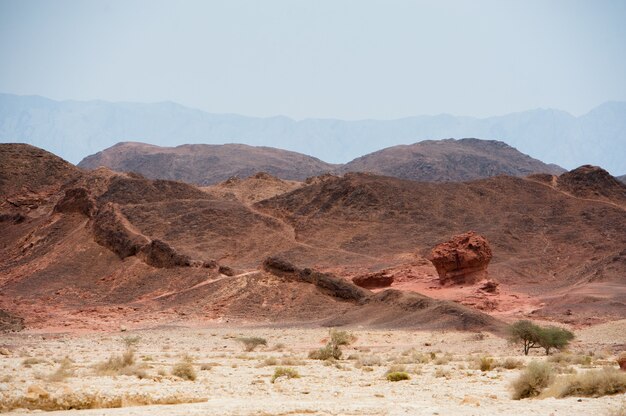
321,58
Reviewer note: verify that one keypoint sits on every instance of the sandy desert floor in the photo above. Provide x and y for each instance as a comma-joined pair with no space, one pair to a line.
444,377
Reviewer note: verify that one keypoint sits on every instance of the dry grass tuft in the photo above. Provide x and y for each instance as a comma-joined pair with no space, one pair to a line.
510,364
29,362
592,383
250,343
64,371
485,364
531,382
398,376
568,358
79,401
328,352
121,365
367,361
285,372
440,372
184,369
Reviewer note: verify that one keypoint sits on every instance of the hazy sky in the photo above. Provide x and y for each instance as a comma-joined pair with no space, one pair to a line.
341,59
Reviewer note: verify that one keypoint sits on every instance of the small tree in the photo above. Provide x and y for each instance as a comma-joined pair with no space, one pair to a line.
525,332
554,337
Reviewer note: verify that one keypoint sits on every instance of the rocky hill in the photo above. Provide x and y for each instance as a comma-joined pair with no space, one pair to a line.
95,248
432,160
449,160
205,164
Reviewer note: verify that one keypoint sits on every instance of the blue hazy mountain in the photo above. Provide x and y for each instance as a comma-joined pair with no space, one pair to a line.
76,129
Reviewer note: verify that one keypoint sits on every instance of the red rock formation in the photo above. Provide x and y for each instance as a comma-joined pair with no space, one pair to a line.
160,254
373,280
462,260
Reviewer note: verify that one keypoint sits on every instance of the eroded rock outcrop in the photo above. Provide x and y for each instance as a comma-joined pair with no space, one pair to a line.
111,230
328,283
462,260
373,280
160,254
77,200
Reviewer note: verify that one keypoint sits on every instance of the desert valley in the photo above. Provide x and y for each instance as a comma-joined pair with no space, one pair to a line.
208,279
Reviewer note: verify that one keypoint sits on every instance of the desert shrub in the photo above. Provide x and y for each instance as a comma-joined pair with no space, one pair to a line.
396,368
62,372
250,343
398,376
278,347
285,372
291,361
332,349
440,372
510,363
79,401
565,358
368,361
621,360
341,337
117,364
184,369
592,383
554,337
269,361
28,362
485,364
531,382
442,360
327,352
131,341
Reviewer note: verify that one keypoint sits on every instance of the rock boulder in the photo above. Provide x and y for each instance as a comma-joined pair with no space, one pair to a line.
462,260
373,280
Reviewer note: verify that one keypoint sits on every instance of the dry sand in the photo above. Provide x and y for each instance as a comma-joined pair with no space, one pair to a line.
235,382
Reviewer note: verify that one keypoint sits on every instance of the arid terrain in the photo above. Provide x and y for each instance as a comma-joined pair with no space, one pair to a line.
443,366
89,258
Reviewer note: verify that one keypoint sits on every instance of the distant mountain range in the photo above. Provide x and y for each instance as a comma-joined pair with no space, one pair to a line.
430,160
75,129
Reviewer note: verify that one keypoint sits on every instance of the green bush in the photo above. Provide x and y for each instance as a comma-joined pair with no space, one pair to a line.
398,376
328,352
332,350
